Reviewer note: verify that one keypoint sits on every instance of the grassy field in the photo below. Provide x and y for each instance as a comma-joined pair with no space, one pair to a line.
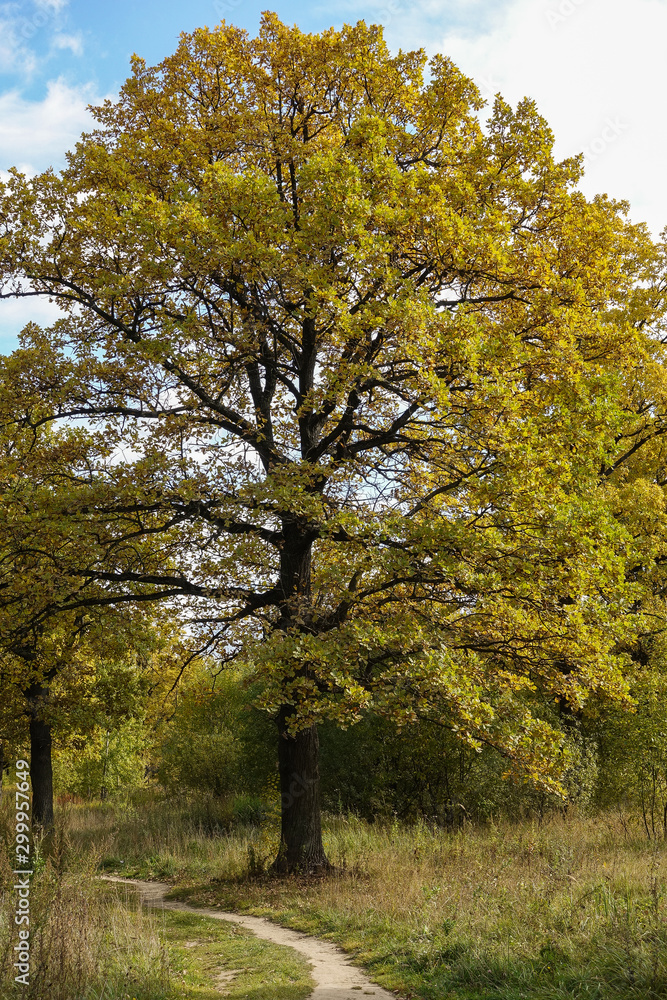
92,941
574,907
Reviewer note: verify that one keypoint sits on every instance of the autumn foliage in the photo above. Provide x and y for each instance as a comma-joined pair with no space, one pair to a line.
357,377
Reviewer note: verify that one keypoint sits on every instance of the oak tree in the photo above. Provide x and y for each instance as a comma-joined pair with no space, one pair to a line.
358,362
72,652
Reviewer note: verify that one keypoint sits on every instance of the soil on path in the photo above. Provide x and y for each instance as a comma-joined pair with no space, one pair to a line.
335,976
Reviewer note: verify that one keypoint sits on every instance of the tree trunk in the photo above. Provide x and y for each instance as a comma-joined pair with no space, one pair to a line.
301,848
41,773
103,786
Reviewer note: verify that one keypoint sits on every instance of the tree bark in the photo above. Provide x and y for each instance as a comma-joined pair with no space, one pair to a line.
41,771
301,848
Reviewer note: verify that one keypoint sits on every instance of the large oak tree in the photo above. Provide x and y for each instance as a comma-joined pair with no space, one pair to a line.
360,364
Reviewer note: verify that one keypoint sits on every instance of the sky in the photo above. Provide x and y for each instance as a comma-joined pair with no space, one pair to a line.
596,69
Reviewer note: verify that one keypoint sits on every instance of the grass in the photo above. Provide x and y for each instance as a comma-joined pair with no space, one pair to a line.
575,907
209,958
92,941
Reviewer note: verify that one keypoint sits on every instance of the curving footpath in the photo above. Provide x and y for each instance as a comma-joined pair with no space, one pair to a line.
335,976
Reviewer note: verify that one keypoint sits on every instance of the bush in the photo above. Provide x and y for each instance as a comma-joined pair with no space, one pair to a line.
215,743
102,762
633,746
423,770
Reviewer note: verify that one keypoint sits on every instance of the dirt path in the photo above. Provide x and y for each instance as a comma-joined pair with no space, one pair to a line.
335,977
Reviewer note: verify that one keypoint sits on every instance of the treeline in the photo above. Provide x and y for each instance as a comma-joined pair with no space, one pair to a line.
216,746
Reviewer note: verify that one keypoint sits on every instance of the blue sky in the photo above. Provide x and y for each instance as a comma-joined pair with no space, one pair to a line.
595,67
80,41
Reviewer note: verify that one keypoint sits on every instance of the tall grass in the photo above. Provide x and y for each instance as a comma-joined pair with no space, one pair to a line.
573,907
84,945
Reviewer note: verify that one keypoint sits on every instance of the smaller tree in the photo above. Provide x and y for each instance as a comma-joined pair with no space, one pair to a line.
201,749
633,745
72,651
103,759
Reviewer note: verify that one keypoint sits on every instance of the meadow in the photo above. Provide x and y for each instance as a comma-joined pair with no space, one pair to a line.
572,906
92,940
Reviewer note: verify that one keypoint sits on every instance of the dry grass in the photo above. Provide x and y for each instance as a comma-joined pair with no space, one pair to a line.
83,946
93,941
575,907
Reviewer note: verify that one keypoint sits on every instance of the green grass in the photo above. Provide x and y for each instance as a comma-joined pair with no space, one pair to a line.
573,908
208,957
91,940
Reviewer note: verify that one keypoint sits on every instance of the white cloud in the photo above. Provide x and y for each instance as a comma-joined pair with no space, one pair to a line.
597,71
72,42
33,136
36,134
15,55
